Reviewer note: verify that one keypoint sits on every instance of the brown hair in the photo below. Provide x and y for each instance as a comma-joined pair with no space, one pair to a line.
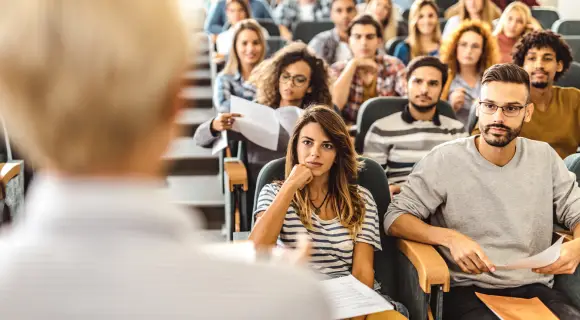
489,55
487,12
413,39
389,24
507,72
343,192
244,5
366,20
266,76
233,64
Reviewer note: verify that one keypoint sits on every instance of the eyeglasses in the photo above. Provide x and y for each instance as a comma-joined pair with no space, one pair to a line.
508,111
297,80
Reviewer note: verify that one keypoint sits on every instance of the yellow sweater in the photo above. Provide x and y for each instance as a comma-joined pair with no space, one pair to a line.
559,125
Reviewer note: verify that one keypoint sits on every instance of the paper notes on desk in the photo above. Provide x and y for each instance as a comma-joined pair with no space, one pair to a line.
261,124
542,259
349,298
508,308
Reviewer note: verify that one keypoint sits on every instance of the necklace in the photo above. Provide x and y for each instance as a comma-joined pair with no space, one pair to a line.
317,209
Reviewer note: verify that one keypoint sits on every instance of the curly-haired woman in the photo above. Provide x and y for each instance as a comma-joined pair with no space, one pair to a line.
469,51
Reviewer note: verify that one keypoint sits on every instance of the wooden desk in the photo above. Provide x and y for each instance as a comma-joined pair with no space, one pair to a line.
386,315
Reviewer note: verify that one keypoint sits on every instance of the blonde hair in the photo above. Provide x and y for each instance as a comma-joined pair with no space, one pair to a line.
414,36
488,12
84,81
233,64
520,7
390,25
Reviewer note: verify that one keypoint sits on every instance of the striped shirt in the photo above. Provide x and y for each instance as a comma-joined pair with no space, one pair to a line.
332,246
398,141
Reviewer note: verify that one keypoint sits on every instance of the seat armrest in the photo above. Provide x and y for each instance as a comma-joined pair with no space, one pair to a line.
8,171
236,173
431,268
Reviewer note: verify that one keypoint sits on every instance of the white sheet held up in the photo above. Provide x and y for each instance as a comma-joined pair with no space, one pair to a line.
350,298
542,259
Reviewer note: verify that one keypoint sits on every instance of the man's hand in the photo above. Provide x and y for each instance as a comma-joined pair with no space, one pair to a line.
457,99
568,261
468,255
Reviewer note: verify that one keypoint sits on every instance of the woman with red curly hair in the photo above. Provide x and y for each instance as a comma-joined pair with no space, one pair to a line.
469,51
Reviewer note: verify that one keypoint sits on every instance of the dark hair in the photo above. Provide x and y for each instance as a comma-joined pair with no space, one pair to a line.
366,20
244,5
507,72
428,61
266,76
544,39
333,1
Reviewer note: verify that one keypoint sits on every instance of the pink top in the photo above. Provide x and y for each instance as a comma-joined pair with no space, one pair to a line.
505,47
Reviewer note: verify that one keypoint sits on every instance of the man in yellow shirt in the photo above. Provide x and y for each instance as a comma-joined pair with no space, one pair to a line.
556,120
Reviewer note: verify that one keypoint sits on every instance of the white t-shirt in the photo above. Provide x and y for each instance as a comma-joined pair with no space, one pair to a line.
343,52
307,12
224,40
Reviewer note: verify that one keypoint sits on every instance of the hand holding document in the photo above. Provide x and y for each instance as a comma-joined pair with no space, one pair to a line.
261,124
542,259
351,298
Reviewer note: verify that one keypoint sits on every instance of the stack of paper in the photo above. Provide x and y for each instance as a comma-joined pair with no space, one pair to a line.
542,259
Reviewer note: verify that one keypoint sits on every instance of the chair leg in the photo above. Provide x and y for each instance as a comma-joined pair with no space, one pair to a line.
436,302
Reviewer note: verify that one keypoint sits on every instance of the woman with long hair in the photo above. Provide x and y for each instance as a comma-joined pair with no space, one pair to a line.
249,49
515,22
320,198
424,32
388,16
294,76
469,51
482,10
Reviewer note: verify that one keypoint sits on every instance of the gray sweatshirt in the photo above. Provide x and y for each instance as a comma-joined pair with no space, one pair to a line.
509,211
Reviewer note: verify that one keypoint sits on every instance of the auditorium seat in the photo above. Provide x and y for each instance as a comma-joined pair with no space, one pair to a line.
270,26
274,44
572,77
546,16
574,43
567,27
409,272
306,30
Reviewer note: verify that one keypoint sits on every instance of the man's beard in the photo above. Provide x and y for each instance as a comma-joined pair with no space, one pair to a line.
425,108
501,141
540,85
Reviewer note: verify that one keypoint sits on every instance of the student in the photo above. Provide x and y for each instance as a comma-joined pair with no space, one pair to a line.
236,11
216,16
318,198
90,92
294,76
546,57
290,12
249,49
401,139
482,10
515,22
368,74
332,45
424,32
484,208
388,16
469,51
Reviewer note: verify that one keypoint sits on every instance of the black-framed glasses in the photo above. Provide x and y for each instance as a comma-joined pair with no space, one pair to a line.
508,111
298,80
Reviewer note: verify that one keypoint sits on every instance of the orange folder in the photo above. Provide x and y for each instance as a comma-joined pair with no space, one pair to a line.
508,308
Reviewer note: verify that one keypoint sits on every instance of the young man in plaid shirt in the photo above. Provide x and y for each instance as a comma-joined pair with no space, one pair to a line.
367,74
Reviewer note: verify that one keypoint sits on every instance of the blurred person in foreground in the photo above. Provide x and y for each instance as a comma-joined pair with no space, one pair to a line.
90,92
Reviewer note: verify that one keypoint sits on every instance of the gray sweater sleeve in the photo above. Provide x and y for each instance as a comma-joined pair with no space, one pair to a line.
203,136
566,193
423,192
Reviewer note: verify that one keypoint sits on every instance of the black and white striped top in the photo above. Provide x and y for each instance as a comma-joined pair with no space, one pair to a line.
333,247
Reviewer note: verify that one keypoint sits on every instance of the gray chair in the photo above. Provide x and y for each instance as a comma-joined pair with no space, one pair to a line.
442,23
378,108
270,26
405,269
392,44
306,30
567,27
572,77
546,16
574,43
12,183
274,44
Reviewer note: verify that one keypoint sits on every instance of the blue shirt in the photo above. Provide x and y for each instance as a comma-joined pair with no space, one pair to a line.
227,85
216,16
403,52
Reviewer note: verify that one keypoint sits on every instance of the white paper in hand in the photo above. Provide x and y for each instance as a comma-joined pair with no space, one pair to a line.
220,143
542,259
288,117
349,298
258,123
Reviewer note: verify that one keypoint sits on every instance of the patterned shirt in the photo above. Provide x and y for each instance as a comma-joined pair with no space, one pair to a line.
288,13
332,246
391,81
227,85
398,141
326,45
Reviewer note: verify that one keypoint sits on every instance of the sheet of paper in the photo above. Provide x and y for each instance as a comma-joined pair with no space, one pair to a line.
288,117
258,123
350,298
509,308
220,143
541,259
